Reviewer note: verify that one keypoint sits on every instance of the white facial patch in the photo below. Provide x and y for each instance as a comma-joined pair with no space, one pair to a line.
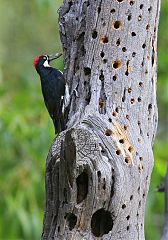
46,64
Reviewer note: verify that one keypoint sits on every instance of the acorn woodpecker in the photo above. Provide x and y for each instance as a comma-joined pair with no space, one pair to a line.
54,88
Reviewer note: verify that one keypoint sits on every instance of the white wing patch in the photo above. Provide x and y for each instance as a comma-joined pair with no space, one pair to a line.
66,98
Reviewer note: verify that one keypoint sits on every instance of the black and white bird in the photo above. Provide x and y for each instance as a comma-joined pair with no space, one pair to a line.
54,88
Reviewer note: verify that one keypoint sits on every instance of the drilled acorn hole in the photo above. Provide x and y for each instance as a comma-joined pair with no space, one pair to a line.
133,54
117,25
125,127
121,141
133,34
94,34
102,54
123,206
108,132
103,39
129,17
112,10
130,149
118,42
141,6
87,71
117,64
118,152
128,160
132,3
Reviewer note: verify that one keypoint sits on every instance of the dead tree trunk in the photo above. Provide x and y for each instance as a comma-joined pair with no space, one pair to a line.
98,170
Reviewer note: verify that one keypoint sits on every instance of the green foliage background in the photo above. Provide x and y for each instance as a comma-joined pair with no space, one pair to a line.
29,28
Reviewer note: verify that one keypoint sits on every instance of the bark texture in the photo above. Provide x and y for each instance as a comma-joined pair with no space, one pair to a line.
98,170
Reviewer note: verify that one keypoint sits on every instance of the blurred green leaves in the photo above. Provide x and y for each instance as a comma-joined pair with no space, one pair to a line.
28,29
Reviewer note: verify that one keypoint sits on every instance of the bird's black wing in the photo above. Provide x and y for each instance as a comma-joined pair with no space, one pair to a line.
53,89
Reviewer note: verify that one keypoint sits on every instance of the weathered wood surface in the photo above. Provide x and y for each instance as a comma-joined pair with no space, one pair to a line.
98,170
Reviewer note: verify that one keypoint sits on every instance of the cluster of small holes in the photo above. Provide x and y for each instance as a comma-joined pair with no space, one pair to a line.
117,25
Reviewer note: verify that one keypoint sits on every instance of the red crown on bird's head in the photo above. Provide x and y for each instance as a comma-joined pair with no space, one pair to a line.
36,61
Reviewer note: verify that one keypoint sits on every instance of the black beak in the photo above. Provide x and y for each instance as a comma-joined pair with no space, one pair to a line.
54,56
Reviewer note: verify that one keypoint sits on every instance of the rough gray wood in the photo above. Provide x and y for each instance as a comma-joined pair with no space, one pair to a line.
98,170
